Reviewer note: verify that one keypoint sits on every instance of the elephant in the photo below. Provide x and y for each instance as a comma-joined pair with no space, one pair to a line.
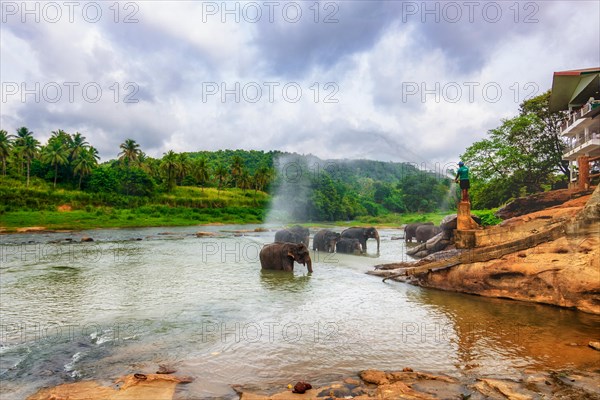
302,232
426,232
295,234
281,256
411,229
349,246
325,240
362,234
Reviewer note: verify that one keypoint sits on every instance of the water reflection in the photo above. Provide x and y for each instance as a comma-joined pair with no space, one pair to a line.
487,330
283,281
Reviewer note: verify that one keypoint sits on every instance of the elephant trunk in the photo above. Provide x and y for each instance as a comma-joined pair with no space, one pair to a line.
309,265
377,237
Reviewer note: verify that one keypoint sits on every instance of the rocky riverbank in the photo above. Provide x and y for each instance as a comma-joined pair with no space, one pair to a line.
551,256
369,384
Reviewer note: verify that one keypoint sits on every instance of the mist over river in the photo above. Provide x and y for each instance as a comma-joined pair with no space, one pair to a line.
120,305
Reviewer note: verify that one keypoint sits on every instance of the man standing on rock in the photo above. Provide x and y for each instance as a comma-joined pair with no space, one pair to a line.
463,175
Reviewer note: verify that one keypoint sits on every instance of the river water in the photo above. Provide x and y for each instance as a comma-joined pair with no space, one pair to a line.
122,305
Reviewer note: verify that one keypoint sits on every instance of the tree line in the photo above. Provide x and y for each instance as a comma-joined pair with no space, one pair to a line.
348,189
520,157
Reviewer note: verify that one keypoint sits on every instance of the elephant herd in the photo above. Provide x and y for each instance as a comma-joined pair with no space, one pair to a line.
291,245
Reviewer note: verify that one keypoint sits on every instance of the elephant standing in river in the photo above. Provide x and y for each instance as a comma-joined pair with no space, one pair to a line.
325,240
410,230
281,256
302,232
362,234
295,234
426,232
348,246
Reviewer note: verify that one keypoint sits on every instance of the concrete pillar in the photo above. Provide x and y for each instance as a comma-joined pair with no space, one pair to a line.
583,180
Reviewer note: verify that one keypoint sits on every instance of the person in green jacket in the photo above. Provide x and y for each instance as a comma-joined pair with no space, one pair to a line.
462,175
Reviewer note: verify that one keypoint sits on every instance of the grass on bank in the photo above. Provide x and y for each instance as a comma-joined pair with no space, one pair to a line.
185,206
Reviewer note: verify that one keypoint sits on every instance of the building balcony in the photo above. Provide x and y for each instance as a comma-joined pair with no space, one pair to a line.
577,117
589,145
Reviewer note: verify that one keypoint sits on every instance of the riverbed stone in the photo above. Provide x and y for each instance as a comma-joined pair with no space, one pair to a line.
374,376
594,345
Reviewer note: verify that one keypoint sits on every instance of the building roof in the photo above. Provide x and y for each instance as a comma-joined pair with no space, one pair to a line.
573,88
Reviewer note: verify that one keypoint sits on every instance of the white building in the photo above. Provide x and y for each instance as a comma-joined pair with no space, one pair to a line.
578,92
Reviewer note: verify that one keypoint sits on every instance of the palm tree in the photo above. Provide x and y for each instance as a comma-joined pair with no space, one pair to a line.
169,165
237,165
130,151
55,153
28,150
85,163
20,137
221,173
200,171
244,180
77,146
183,166
5,147
261,178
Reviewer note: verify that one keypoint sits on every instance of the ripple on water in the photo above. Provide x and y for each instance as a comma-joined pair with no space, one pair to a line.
204,305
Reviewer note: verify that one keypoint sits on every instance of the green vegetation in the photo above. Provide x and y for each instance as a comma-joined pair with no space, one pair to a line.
521,157
232,186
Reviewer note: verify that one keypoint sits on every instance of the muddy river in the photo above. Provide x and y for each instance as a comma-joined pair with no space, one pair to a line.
137,298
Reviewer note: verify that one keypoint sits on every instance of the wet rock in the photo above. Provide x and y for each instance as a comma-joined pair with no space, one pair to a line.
594,345
87,239
301,387
261,230
510,390
204,234
374,376
396,238
165,369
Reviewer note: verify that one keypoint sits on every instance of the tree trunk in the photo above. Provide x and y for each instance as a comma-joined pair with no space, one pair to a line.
55,174
27,174
80,178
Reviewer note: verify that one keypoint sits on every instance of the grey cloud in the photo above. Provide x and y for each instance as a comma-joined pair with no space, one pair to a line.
292,49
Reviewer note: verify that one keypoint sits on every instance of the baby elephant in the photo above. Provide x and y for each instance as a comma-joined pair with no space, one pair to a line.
348,246
426,232
281,256
325,240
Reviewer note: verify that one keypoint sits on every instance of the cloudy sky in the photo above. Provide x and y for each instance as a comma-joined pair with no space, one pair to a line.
384,80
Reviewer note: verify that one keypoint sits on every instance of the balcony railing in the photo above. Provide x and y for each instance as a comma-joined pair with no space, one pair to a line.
582,140
580,113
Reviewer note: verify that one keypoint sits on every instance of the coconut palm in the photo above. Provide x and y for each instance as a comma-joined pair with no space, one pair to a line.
85,163
55,153
221,173
28,150
244,180
237,165
5,147
130,151
77,146
200,171
183,166
20,138
169,165
261,178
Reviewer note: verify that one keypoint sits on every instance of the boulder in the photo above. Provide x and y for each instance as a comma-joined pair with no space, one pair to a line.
449,222
537,202
87,239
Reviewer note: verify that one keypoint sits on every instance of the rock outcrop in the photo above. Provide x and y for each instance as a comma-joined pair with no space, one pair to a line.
551,256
